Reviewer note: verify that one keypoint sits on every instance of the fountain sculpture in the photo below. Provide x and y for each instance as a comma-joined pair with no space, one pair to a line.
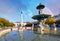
40,17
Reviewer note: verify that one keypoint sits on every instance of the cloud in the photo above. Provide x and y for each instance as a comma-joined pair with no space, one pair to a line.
54,5
48,11
12,8
9,6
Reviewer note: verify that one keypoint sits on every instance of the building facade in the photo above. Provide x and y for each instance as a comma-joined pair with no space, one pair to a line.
18,24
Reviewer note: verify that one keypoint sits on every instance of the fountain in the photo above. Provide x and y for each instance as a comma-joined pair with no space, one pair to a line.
40,17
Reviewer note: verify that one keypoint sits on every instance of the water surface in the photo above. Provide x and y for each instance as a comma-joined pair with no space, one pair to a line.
29,35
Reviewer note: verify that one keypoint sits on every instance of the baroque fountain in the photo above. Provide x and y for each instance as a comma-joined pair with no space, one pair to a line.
40,17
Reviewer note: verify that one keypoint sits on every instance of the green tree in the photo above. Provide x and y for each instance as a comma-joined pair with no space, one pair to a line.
4,22
1,24
50,20
29,24
12,24
58,21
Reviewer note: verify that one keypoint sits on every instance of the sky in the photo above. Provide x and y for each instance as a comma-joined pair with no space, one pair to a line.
11,9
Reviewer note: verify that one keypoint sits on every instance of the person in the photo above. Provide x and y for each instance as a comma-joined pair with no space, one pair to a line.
11,29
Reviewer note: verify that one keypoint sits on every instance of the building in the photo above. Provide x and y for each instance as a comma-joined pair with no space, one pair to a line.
19,24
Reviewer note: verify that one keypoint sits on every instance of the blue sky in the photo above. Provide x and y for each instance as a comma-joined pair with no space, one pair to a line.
11,9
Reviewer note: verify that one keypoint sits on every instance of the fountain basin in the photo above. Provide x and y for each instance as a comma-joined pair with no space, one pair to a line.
2,33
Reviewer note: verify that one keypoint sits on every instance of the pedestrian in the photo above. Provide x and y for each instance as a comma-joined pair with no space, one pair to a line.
11,29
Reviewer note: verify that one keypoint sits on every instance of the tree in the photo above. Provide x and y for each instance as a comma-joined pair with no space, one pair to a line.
4,22
12,24
1,24
58,21
50,20
29,24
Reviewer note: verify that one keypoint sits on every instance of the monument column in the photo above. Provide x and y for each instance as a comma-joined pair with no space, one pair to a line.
21,20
